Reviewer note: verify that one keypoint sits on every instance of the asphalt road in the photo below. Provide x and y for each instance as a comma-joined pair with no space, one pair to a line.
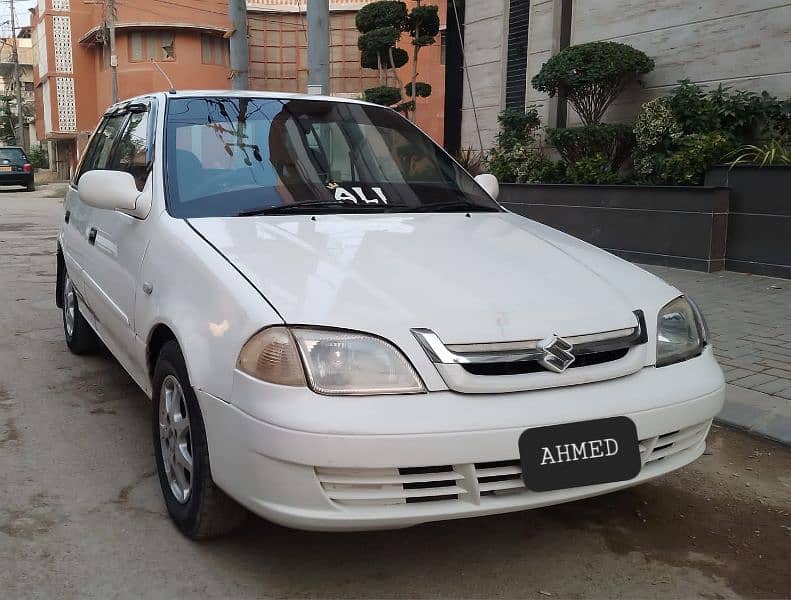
81,513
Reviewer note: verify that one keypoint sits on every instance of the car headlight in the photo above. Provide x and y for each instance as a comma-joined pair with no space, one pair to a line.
681,332
335,363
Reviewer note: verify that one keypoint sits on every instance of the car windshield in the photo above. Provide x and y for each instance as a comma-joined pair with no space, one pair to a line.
14,155
231,156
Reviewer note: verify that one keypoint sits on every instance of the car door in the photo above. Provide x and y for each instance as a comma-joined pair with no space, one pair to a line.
76,233
120,240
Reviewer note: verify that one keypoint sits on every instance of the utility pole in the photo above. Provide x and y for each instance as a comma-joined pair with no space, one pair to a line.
318,15
20,137
113,55
240,54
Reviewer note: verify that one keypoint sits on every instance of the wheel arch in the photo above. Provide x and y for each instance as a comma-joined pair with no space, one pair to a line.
160,335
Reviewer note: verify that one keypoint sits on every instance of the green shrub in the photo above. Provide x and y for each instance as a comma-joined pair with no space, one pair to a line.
517,127
38,156
614,141
422,24
422,90
384,95
472,160
693,154
379,40
594,169
520,164
742,115
592,75
376,15
369,60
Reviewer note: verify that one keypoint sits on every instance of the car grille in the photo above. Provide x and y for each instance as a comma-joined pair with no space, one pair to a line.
472,482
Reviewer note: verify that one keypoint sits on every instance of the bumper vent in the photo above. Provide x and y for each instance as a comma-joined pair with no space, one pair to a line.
473,483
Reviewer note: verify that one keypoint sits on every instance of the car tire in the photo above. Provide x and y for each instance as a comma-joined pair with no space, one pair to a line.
80,337
196,505
31,187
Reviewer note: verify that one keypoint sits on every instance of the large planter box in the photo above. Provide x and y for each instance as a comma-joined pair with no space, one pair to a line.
673,226
759,223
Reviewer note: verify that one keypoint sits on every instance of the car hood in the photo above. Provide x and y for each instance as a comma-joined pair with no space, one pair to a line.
485,277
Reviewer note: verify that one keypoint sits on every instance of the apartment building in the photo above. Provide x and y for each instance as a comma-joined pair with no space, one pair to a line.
73,81
24,46
743,44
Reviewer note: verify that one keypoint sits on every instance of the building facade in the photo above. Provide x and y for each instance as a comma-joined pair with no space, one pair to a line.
8,68
739,43
73,75
186,39
279,55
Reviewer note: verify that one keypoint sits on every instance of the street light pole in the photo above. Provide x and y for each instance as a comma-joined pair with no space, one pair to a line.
113,55
240,57
318,16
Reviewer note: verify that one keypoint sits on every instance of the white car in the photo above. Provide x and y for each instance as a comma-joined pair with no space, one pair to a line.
341,330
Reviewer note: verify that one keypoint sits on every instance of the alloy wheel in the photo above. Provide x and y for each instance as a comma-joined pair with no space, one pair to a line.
175,439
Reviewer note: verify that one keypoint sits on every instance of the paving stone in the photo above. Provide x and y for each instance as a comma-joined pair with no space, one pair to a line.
737,374
773,387
753,381
750,321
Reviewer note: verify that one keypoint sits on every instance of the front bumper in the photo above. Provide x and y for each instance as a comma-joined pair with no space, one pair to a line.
326,478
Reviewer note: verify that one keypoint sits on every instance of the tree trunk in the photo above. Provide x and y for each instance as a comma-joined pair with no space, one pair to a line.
415,51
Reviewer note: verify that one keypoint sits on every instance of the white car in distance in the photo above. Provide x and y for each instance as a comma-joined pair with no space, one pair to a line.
341,329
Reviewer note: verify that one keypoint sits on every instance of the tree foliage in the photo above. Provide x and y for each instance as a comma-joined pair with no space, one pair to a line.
592,75
423,90
613,141
381,24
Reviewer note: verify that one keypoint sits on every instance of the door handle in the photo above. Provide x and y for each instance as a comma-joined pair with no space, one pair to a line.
92,236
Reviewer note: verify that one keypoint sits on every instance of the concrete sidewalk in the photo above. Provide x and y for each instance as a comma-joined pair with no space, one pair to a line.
750,321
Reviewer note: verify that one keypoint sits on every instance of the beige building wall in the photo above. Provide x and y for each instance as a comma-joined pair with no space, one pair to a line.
745,44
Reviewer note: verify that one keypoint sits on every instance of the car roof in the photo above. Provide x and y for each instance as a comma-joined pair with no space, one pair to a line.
11,148
235,94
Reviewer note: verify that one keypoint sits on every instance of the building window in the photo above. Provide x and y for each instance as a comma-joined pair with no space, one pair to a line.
215,50
152,45
516,67
443,46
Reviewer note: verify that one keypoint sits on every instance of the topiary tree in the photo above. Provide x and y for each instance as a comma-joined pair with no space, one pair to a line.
592,75
380,24
422,25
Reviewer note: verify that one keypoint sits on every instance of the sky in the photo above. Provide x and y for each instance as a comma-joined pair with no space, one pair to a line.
23,17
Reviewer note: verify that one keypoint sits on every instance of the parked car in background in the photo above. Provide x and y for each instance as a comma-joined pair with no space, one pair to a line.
15,168
341,329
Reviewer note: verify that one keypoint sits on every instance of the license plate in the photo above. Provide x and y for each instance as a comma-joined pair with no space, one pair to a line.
5,169
577,454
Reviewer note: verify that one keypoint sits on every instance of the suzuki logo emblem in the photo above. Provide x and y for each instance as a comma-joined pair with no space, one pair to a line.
557,354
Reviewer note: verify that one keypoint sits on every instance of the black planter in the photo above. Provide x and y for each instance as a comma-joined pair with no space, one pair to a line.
673,226
759,224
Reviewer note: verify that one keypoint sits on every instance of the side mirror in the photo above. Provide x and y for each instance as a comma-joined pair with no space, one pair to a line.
114,190
489,183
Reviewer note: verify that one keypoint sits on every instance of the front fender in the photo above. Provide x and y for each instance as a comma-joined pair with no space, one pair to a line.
196,292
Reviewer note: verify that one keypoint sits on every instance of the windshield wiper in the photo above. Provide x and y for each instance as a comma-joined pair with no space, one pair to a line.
453,205
315,206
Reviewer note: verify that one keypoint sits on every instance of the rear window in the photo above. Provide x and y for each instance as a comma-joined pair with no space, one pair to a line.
13,155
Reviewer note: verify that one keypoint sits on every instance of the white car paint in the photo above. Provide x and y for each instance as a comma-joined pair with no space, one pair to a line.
483,278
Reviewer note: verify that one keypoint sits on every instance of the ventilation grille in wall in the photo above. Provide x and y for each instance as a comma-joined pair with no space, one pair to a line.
67,114
62,36
516,68
60,5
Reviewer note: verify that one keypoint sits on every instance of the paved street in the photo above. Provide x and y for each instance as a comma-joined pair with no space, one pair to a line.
81,513
750,321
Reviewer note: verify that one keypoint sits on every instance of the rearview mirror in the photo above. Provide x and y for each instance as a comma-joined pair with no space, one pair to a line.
489,183
114,190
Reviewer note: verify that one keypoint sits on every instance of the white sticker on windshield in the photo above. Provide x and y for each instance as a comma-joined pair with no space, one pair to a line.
376,195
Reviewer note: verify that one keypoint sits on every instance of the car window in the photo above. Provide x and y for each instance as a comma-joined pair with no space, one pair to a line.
132,151
13,155
228,156
99,152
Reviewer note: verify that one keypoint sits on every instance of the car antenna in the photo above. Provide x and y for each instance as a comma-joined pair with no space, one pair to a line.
165,75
